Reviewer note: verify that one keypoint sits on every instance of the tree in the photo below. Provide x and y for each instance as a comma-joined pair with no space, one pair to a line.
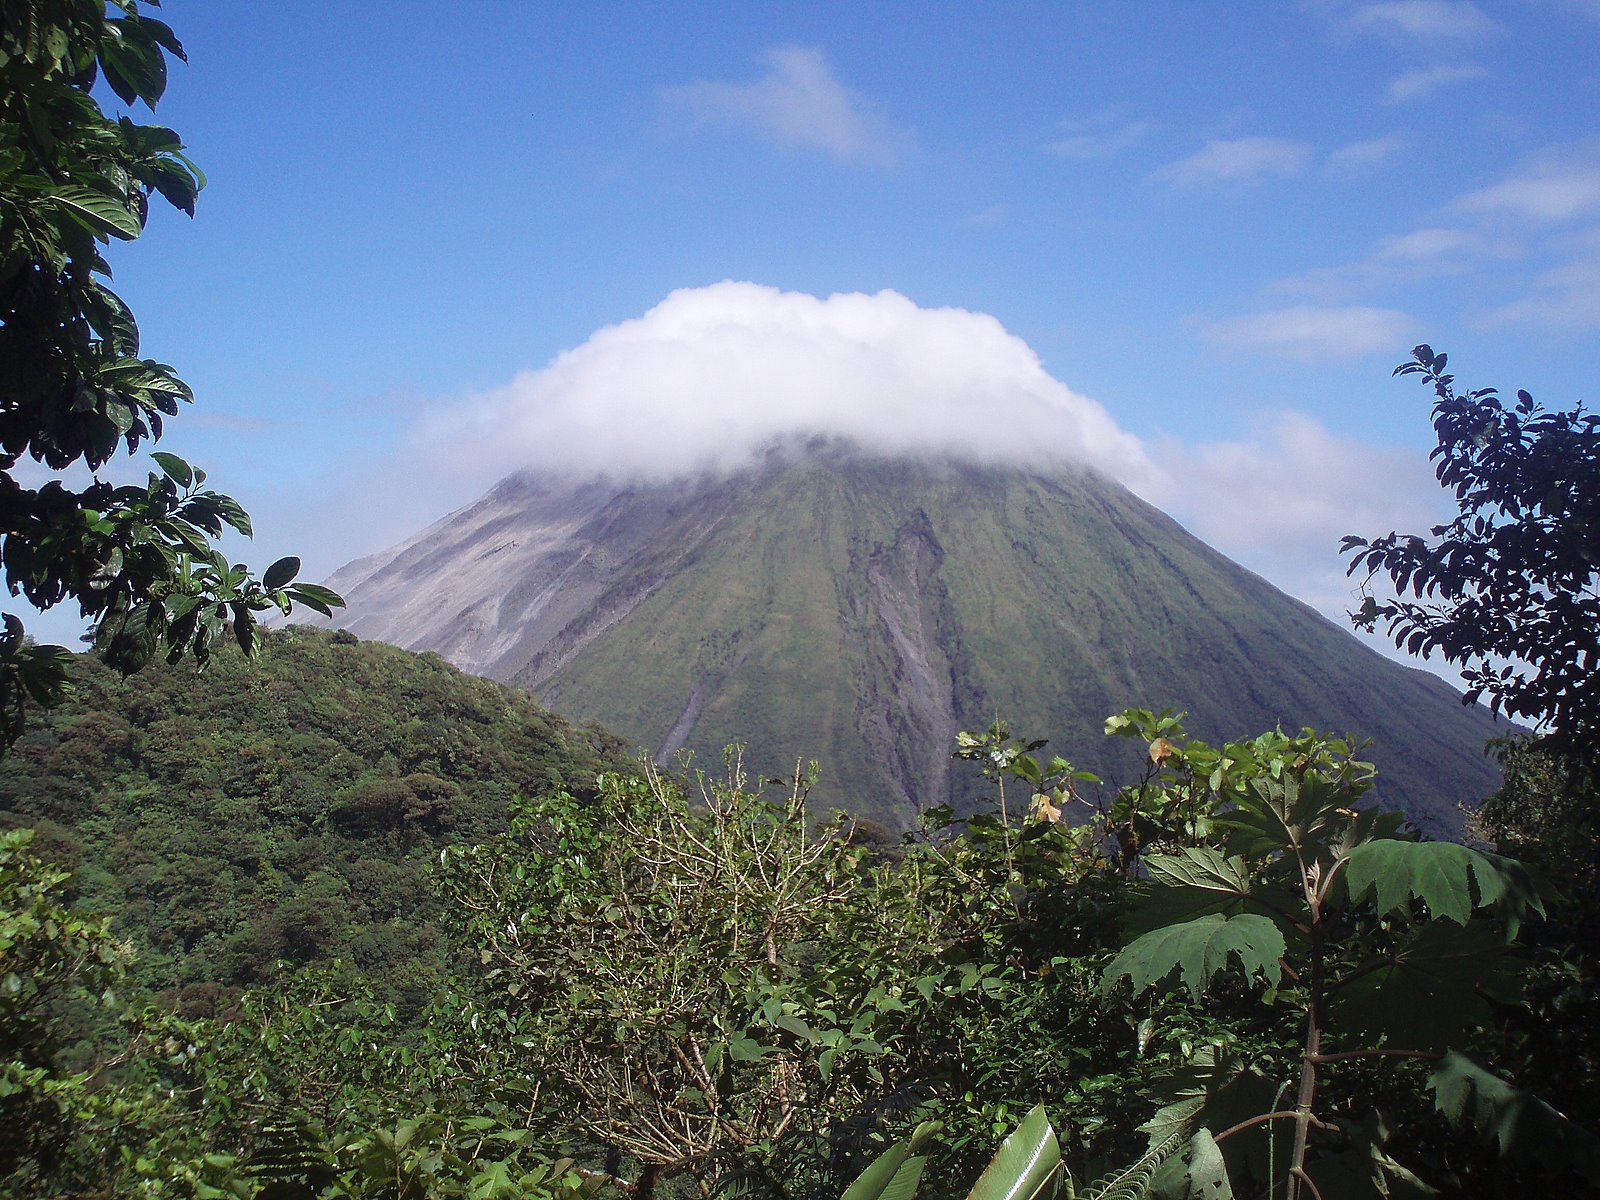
139,560
1510,589
57,964
658,954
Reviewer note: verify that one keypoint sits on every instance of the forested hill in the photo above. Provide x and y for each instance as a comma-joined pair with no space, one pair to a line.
282,809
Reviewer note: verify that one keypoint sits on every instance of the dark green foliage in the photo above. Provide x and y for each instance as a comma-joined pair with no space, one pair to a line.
138,560
283,808
1510,589
57,965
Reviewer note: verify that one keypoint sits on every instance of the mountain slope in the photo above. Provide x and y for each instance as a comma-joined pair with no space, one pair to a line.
285,808
859,611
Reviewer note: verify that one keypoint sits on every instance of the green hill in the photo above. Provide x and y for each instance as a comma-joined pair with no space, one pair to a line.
282,809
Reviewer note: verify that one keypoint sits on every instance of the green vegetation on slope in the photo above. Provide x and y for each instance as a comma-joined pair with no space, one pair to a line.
858,611
283,808
663,994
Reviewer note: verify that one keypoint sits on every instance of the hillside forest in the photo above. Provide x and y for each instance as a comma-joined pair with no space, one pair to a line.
329,920
343,921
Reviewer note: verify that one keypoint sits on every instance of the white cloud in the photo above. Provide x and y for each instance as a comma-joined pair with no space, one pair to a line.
1310,333
1565,298
796,104
1279,503
711,376
1403,259
1431,246
1103,135
1425,20
1555,188
1424,81
1551,204
1237,161
1358,157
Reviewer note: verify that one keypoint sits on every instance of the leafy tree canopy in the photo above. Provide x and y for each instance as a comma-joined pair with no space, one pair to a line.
1510,589
283,808
139,560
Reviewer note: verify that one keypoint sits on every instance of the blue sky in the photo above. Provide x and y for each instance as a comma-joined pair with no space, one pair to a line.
1217,226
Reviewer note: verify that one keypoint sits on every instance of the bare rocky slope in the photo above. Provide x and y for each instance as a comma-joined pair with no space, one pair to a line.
858,611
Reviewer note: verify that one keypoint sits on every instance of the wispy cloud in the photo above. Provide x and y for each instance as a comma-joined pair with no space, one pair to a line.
796,104
1424,20
1565,298
1557,187
1429,247
1403,259
1235,162
1311,334
1424,81
1360,157
1279,501
1104,135
987,217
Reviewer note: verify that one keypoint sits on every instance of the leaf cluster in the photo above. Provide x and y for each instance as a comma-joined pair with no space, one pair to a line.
138,560
1507,590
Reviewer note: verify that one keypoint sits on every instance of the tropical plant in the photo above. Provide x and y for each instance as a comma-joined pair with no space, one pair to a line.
650,952
1377,942
67,1037
1510,589
138,560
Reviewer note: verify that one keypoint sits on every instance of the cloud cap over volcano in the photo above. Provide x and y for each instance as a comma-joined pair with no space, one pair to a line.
711,376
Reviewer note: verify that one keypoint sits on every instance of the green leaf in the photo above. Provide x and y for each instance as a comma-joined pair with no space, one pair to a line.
1027,1165
111,319
1200,867
893,1175
233,514
315,596
1423,993
1200,949
132,62
1452,880
102,213
1520,1124
1198,1174
280,572
1169,1130
174,468
1366,1169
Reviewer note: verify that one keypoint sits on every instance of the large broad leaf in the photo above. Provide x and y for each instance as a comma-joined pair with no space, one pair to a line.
1198,1174
1452,880
1522,1125
1425,991
1195,882
1199,949
1294,813
102,213
1200,867
1170,1130
1366,1171
1026,1167
894,1175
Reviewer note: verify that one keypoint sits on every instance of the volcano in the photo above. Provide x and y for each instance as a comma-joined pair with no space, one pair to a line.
832,605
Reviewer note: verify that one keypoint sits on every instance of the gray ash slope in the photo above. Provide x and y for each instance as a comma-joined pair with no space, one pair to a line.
858,611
